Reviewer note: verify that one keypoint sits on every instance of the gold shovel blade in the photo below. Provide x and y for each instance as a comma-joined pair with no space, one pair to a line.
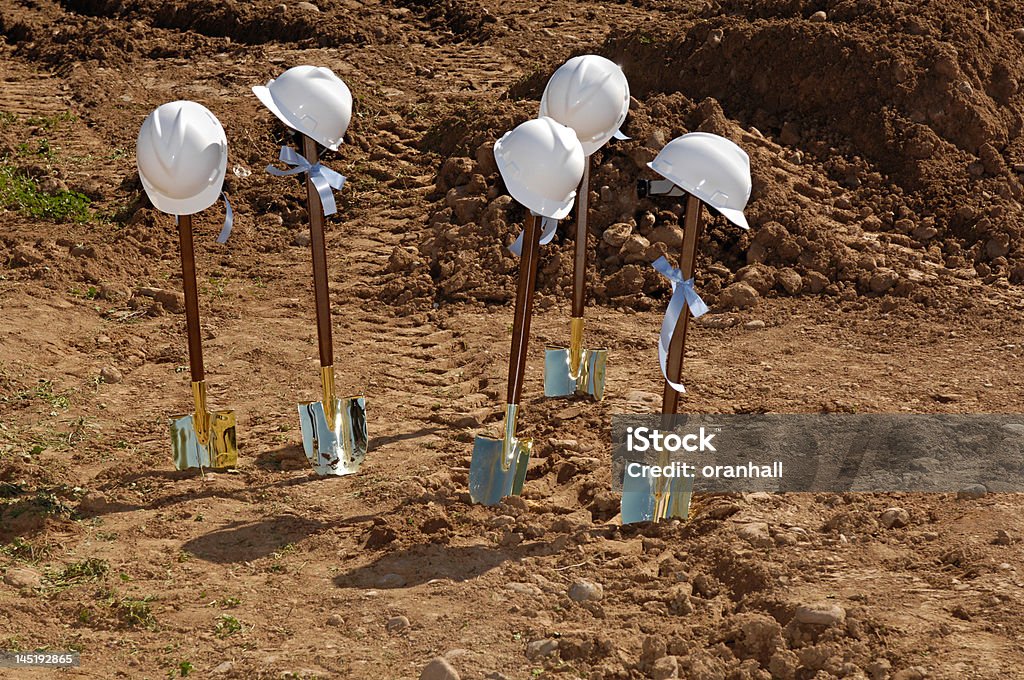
490,478
218,450
336,447
558,378
644,501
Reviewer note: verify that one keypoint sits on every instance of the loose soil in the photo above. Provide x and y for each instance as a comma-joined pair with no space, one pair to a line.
884,261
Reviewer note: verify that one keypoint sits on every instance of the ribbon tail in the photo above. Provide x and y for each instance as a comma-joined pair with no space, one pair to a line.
229,221
517,246
668,327
549,226
323,187
697,306
619,135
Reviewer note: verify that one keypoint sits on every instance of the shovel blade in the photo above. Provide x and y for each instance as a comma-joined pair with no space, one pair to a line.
640,499
334,448
489,480
558,379
220,449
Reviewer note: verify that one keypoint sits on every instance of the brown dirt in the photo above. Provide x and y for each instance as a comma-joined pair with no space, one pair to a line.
885,248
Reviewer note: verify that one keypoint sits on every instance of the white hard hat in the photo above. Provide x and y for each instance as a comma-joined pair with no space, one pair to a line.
712,168
311,100
590,94
182,154
541,162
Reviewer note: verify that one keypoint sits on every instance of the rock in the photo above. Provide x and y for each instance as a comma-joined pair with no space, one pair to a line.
819,17
391,581
172,300
738,296
756,534
820,614
971,492
894,518
486,165
111,375
718,321
439,669
635,245
93,503
23,578
758,276
924,232
665,668
627,281
397,624
223,667
24,255
401,259
914,673
52,186
1004,537
754,325
301,239
997,246
714,38
1019,34
790,281
790,134
669,234
335,620
815,282
586,591
879,669
616,234
538,649
308,6
103,340
882,279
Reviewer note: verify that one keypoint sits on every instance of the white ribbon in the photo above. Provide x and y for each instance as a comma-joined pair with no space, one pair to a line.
548,225
324,179
229,221
618,134
683,296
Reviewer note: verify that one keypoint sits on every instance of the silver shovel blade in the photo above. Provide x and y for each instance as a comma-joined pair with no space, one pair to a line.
640,498
220,449
489,479
334,448
558,378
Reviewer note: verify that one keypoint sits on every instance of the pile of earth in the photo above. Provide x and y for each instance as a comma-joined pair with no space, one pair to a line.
883,162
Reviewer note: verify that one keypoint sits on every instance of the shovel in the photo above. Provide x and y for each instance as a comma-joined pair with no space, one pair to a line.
576,370
647,498
498,466
334,428
204,438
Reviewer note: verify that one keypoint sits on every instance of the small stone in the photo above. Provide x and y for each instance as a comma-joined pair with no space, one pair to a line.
914,673
1019,34
1004,537
308,6
397,624
894,518
819,16
103,340
715,37
391,581
924,232
23,578
665,668
670,235
971,492
754,325
111,375
820,614
586,591
301,239
879,669
538,649
223,667
439,669
616,234
335,620
756,534
882,279
790,281
738,296
815,282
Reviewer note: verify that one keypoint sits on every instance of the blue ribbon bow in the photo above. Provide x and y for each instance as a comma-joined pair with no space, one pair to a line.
683,296
548,227
324,179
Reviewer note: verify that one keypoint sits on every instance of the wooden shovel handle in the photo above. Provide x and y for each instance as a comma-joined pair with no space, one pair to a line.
692,228
319,247
579,272
524,308
188,279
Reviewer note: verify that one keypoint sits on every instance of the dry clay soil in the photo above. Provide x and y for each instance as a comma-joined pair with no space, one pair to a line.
884,261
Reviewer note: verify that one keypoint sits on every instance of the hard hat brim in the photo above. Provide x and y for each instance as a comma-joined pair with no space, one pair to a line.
262,93
539,204
735,216
186,206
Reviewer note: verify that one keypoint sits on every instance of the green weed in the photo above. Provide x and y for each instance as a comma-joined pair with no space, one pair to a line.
91,569
21,193
227,625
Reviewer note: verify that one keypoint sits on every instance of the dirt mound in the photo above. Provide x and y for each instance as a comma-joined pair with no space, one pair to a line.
883,163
